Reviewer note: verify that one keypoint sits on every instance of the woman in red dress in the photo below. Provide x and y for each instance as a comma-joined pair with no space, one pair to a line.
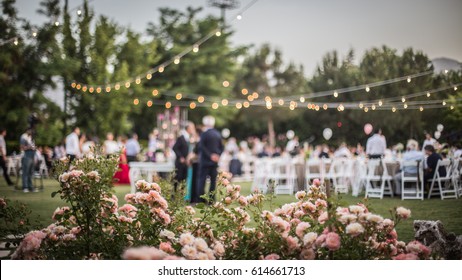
121,177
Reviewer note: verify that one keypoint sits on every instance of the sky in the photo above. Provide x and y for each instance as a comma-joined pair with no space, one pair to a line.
306,30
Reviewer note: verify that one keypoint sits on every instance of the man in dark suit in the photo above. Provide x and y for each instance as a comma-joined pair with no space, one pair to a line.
181,150
210,149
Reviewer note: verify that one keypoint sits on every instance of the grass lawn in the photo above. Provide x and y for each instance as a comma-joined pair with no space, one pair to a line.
448,211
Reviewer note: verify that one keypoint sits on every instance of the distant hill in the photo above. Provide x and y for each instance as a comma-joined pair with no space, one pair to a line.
443,63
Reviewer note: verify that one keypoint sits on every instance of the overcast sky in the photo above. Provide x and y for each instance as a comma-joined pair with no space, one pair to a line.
306,30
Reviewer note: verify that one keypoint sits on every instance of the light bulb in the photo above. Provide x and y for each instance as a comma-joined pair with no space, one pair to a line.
149,76
224,102
168,105
192,105
149,103
56,23
155,92
218,33
428,94
393,109
117,86
177,60
335,94
246,104
214,105
403,99
408,79
239,17
368,89
280,102
136,101
161,69
195,48
127,84
179,96
421,108
238,105
244,91
302,99
79,12
108,89
225,83
200,99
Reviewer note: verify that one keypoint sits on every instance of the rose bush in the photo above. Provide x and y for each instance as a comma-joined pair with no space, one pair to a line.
149,226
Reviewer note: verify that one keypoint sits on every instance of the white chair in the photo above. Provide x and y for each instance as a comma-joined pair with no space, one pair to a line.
338,175
378,182
282,176
445,187
313,171
416,190
358,182
259,175
457,175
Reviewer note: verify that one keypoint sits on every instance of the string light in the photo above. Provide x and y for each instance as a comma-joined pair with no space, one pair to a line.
250,97
393,109
84,88
149,76
255,95
56,23
325,106
98,90
196,48
244,91
78,86
225,83
214,105
428,94
238,105
421,108
117,86
91,90
218,33
403,99
136,101
246,104
373,107
161,69
280,102
452,107
335,94
405,106
455,88
108,89
224,102
179,96
127,84
366,109
168,104
155,92
149,103
268,99
408,79
444,103
302,99
380,103
79,12
200,99
192,105
361,105
316,108
34,34
239,17
73,85
15,42
367,89
177,60
138,80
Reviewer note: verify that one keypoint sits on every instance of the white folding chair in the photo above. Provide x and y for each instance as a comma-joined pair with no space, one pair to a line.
445,187
337,173
416,188
282,175
378,182
261,169
313,171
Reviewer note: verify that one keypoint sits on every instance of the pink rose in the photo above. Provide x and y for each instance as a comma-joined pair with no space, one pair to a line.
333,241
272,257
307,254
300,229
406,257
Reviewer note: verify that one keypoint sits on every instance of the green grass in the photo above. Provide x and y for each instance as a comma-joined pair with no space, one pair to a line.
448,211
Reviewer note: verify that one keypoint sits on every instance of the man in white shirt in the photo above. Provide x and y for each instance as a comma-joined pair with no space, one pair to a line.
73,144
376,145
429,140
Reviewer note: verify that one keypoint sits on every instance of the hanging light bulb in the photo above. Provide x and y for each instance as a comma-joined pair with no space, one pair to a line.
15,42
200,99
280,102
268,99
255,95
155,92
421,108
225,83
405,106
108,89
455,88
244,91
239,17
178,96
117,86
136,101
34,34
269,106
238,105
138,80
250,97
56,23
246,104
79,12
91,90
168,104
408,79
428,94
335,94
393,109
149,76
380,103
218,33
361,105
84,88
78,86
368,89
161,69
373,107
403,99
214,105
325,106
73,85
452,107
444,103
366,109
98,90
195,48
177,60
302,99
224,102
192,105
149,104
127,84
316,108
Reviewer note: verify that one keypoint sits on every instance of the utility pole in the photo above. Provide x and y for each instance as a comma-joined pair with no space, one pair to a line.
224,5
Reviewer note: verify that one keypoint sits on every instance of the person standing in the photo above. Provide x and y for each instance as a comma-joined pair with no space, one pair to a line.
376,145
3,156
132,148
429,140
73,144
210,149
110,146
181,149
27,162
